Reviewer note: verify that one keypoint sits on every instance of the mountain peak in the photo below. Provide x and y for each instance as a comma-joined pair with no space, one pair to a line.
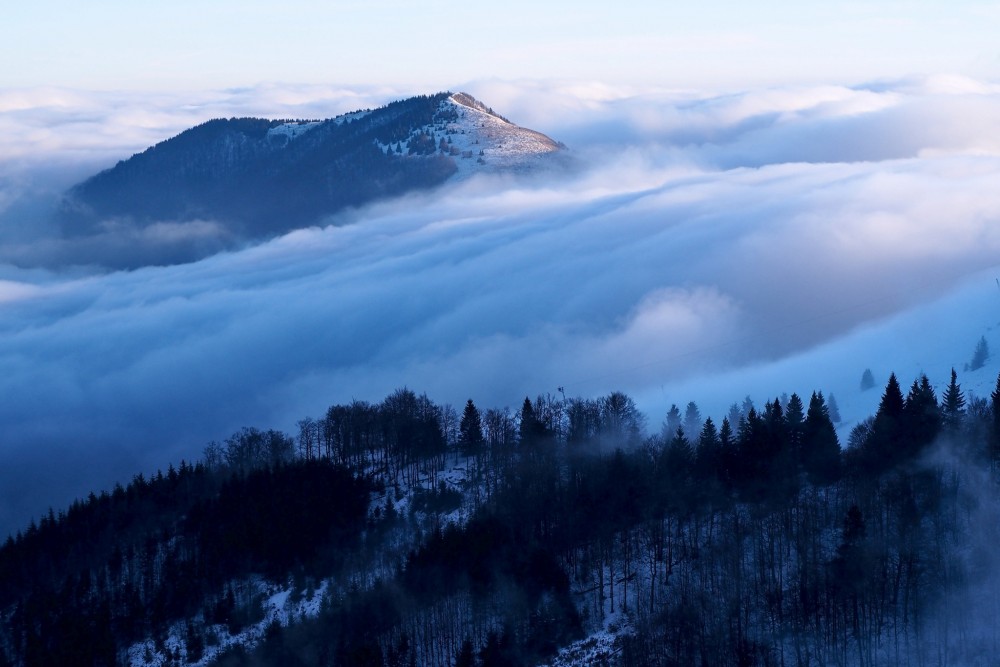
467,100
257,177
494,143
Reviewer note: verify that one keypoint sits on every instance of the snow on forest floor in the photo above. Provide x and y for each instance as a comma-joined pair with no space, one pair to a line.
598,648
292,602
283,605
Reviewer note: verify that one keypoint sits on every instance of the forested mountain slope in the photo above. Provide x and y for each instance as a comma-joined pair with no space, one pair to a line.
400,533
259,177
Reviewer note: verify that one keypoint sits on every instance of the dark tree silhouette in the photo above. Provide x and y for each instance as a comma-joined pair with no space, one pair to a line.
692,420
833,409
921,415
981,355
952,405
820,449
470,430
671,423
887,443
867,380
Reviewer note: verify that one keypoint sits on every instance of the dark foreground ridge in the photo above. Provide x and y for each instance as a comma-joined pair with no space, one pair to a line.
400,533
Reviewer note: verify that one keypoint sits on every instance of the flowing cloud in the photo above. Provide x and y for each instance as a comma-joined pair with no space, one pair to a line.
869,122
699,240
41,123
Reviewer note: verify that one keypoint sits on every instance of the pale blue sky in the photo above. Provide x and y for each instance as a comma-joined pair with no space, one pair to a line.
184,45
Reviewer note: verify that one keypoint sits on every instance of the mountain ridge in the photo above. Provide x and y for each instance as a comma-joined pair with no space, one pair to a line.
260,177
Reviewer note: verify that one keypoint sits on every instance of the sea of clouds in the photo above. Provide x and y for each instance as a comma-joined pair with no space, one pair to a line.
703,246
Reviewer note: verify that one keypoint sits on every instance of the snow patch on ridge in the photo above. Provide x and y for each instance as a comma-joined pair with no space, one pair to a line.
296,128
350,117
293,129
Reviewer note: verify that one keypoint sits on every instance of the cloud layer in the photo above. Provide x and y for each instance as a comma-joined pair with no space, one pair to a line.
698,238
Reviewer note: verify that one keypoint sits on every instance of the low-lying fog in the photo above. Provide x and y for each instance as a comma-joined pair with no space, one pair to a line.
706,247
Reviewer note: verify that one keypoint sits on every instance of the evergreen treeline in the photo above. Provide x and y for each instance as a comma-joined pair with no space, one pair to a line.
757,541
81,586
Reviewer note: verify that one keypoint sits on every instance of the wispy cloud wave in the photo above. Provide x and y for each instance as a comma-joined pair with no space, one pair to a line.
702,236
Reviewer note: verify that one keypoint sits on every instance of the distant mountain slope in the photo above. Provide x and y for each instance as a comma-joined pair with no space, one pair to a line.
261,177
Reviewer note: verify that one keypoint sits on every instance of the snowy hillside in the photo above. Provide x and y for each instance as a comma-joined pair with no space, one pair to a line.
478,139
484,139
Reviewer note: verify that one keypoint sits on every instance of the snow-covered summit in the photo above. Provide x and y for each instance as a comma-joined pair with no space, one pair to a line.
500,143
478,139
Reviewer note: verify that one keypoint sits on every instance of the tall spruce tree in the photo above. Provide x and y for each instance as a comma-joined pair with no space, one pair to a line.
820,448
795,418
727,451
707,454
735,414
754,457
692,420
784,469
922,417
886,445
470,430
671,423
532,429
680,458
833,409
953,405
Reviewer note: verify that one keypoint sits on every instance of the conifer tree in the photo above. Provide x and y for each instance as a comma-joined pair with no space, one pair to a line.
892,402
980,355
833,409
952,405
680,457
753,455
531,429
707,453
886,444
795,418
820,448
735,413
692,419
922,416
727,452
671,423
470,430
777,427
784,467
867,380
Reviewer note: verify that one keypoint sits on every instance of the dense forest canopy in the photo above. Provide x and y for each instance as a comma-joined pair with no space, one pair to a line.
502,537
